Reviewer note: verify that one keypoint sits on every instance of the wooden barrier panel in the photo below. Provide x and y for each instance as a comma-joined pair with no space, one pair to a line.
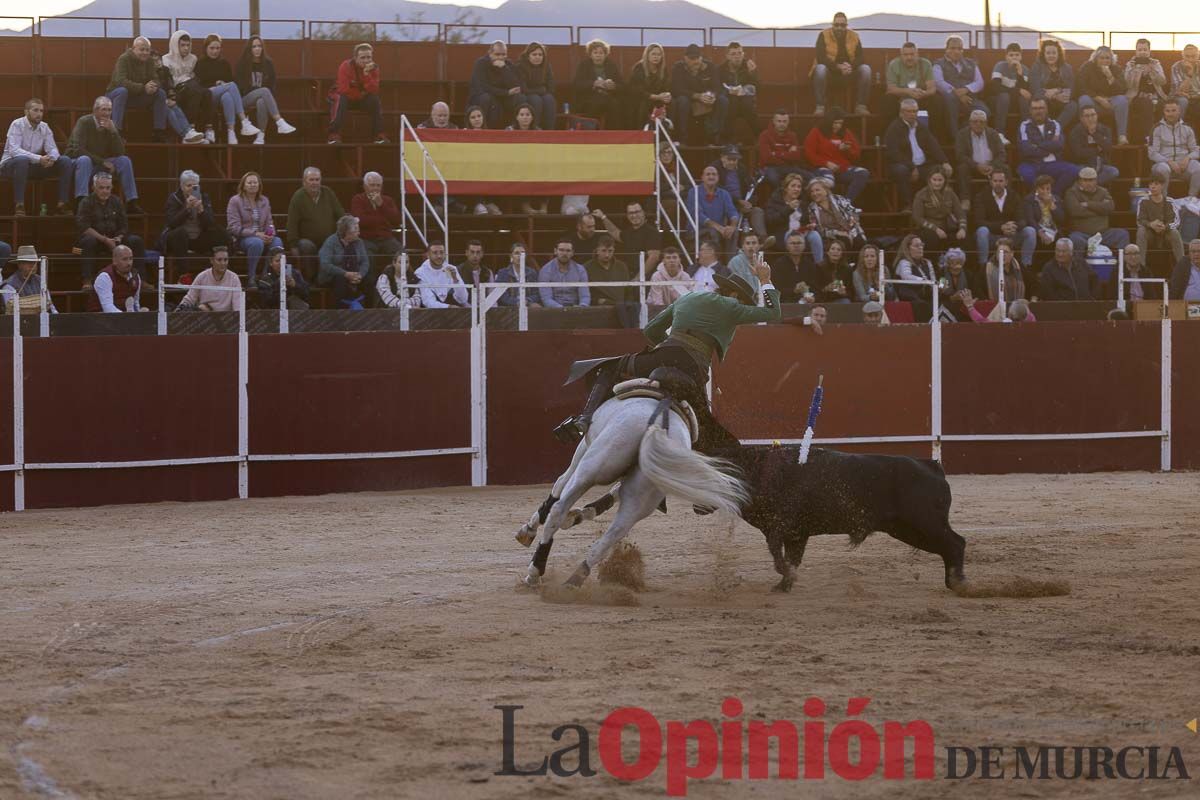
1185,395
359,392
764,388
6,422
526,398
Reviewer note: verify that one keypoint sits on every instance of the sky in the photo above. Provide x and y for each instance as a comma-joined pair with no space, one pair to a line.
1038,14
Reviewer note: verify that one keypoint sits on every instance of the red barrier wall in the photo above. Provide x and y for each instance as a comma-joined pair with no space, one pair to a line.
1185,396
359,392
6,423
526,398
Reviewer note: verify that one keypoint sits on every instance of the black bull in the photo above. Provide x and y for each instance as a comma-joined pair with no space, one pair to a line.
846,494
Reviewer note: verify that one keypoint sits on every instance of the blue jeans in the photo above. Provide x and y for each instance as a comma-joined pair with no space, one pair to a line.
851,181
1120,111
544,112
122,169
21,169
954,108
1114,239
1025,240
859,78
253,247
157,102
230,98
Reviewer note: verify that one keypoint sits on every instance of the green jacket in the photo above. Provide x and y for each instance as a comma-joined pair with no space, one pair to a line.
88,139
313,221
132,74
713,314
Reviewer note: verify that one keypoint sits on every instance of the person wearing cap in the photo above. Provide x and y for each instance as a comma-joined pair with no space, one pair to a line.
1173,149
1010,84
1158,221
959,83
734,178
268,283
872,313
1088,208
26,281
685,335
30,152
911,152
1040,142
909,77
838,63
696,91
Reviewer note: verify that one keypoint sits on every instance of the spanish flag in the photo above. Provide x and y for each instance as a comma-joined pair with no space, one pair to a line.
533,162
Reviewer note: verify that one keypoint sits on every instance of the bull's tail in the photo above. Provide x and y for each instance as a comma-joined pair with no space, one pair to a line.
679,471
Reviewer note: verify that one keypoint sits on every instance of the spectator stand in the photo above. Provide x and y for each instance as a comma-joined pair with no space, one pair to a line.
409,140
678,192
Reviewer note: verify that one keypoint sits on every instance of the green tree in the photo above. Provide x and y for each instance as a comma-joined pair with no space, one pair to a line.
467,30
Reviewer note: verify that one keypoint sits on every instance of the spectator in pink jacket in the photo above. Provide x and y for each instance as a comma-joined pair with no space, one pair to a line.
248,218
670,269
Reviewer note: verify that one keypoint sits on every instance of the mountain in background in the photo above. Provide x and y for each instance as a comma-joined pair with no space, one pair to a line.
670,22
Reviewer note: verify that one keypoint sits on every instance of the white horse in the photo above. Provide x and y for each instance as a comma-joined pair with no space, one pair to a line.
646,446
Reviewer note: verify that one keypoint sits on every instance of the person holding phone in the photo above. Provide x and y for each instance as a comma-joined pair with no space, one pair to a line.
191,226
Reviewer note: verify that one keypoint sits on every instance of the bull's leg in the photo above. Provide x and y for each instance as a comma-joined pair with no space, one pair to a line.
955,559
527,532
786,570
940,540
638,499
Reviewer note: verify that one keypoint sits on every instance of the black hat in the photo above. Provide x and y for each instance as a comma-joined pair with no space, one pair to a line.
693,51
736,283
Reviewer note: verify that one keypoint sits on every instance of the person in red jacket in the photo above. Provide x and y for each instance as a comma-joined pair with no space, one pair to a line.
779,151
832,150
356,89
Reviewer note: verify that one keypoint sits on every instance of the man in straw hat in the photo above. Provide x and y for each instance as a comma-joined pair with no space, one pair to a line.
25,282
701,325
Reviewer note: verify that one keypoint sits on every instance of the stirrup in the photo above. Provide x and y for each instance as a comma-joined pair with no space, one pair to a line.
571,430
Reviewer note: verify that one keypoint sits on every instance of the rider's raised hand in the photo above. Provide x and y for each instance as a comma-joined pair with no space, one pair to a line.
762,270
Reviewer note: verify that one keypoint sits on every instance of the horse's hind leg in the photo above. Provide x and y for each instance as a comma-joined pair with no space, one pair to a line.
638,499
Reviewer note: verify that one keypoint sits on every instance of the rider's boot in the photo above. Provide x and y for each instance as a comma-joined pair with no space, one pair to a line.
572,429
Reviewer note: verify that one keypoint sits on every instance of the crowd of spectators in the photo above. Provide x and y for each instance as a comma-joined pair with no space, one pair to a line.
952,113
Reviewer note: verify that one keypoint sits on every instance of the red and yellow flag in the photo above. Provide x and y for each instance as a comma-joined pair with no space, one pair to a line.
535,162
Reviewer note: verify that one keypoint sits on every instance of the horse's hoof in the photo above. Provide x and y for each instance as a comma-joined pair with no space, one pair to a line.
525,536
578,576
784,585
532,581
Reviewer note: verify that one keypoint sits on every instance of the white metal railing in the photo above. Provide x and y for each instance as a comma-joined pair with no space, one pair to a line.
428,208
674,183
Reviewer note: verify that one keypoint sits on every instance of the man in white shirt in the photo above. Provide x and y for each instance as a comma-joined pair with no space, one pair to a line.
118,287
30,152
441,284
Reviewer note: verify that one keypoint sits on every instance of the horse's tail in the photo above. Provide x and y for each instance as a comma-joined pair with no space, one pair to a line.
679,471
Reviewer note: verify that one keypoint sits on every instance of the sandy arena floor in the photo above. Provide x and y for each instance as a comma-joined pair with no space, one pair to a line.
353,646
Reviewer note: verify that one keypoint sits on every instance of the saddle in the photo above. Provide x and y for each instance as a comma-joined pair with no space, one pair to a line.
655,390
